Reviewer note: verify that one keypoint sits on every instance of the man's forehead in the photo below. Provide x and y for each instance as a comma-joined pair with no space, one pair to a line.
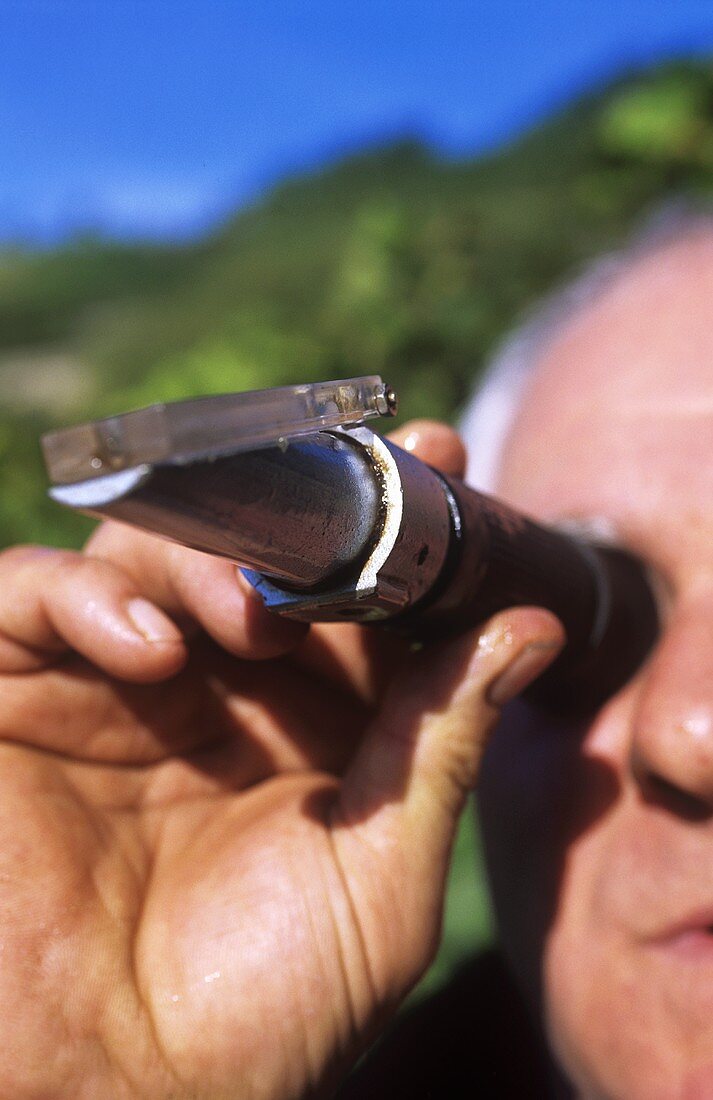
648,333
618,414
637,360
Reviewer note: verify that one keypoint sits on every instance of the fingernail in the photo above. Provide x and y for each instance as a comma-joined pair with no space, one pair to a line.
152,623
526,667
248,589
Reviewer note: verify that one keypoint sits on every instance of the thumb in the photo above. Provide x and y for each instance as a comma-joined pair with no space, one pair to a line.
407,786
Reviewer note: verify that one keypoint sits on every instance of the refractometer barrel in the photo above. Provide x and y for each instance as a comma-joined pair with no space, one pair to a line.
344,525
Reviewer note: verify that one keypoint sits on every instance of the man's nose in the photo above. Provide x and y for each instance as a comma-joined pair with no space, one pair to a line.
672,743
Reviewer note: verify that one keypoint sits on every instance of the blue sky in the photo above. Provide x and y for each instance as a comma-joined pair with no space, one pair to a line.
156,117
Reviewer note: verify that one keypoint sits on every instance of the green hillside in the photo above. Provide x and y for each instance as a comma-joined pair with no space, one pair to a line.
394,261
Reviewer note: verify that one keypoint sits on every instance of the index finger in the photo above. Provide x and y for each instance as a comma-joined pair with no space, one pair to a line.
198,587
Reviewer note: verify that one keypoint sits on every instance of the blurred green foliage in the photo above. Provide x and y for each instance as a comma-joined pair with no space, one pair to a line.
395,261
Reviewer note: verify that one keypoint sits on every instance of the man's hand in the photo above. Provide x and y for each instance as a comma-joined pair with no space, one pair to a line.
224,841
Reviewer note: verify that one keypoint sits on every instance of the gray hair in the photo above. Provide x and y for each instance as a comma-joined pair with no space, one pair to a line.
487,419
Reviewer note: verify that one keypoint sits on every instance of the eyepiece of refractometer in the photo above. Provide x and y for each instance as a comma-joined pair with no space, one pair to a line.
343,525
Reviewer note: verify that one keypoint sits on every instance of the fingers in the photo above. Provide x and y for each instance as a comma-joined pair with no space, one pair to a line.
434,443
193,586
404,792
52,601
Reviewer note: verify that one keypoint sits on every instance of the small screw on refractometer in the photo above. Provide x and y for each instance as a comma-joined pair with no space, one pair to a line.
387,402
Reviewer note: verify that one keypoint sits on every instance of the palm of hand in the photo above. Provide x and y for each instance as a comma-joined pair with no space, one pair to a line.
187,912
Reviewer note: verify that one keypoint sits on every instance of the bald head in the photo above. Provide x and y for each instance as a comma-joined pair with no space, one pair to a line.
629,368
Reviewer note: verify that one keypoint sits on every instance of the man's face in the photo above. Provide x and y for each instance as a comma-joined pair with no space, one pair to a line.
600,838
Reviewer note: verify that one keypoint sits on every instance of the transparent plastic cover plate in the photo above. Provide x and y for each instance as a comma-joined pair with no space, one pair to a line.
209,427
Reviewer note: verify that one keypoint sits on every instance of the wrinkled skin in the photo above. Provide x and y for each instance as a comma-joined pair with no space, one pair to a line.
223,843
600,838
